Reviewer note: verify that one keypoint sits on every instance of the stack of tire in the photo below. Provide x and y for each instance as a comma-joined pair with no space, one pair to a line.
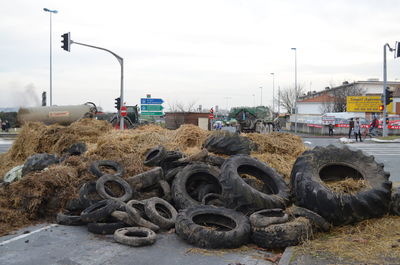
133,222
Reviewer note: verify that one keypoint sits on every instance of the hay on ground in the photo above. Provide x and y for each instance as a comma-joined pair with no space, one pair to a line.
347,185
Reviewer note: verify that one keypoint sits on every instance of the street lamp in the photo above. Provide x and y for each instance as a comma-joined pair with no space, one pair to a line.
261,95
254,100
295,89
273,92
51,60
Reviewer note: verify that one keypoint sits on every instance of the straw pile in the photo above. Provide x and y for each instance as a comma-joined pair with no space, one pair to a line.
347,185
40,195
374,241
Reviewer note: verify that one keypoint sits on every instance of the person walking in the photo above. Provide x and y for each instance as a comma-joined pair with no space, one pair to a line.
330,127
357,129
351,127
374,125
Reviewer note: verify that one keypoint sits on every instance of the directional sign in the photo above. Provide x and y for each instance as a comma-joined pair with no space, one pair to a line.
151,101
152,113
151,107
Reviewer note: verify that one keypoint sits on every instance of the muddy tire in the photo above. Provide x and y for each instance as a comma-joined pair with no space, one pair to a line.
282,235
38,162
155,156
241,196
268,217
100,187
88,194
213,227
395,202
228,144
215,160
75,204
321,164
68,218
189,179
166,190
146,179
96,170
136,216
99,211
105,228
171,174
170,160
213,199
160,212
318,222
135,236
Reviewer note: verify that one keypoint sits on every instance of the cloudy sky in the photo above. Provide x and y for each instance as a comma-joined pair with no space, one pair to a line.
209,52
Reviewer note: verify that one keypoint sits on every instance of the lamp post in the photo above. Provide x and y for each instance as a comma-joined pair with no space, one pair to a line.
273,93
51,58
295,89
254,100
261,95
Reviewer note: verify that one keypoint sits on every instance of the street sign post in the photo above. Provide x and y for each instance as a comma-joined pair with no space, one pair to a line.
123,111
151,107
145,101
152,113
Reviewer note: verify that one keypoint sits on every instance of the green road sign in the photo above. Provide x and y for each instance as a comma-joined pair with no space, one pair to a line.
151,107
152,113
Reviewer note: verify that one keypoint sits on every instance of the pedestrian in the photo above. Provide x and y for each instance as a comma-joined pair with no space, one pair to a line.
357,129
351,127
3,126
373,126
330,126
8,126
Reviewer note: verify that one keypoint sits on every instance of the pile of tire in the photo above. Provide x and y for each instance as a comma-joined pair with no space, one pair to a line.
225,202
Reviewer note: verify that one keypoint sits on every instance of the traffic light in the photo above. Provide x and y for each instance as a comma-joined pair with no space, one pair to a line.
388,96
44,101
66,41
212,111
118,103
381,108
397,50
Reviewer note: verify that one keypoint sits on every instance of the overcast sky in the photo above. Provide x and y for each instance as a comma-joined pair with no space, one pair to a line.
211,52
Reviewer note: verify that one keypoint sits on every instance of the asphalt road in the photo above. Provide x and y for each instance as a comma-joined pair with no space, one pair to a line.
5,145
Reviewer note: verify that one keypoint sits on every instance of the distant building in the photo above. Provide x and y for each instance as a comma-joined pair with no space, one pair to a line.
173,120
322,101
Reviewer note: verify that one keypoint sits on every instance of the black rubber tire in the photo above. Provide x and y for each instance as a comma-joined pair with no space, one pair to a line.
75,204
95,168
146,179
99,211
136,216
141,236
105,228
235,224
68,218
316,220
160,212
188,180
243,197
101,188
171,174
268,217
170,160
38,162
283,235
166,190
215,160
155,156
395,202
320,163
228,144
76,149
205,189
213,199
88,194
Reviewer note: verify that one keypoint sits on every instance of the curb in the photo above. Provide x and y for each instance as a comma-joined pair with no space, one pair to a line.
385,141
286,256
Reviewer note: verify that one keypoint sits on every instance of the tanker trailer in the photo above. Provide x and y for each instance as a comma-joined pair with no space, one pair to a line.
63,115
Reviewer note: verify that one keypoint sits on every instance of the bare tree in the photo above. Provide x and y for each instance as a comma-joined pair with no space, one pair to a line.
288,97
339,98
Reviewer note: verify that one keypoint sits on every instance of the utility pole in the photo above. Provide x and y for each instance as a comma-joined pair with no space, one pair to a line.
295,89
261,95
273,93
385,125
51,53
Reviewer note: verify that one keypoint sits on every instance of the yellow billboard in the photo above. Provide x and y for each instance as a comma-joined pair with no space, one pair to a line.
365,104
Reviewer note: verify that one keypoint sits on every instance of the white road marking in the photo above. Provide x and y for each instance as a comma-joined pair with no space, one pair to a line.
26,235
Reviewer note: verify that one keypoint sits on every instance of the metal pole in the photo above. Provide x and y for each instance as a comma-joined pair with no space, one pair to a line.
121,62
254,100
51,64
261,95
295,89
279,99
385,127
273,93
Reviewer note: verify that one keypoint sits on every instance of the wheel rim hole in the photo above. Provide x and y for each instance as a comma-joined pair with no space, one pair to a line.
339,172
257,179
110,170
153,154
163,211
199,179
214,222
136,234
114,189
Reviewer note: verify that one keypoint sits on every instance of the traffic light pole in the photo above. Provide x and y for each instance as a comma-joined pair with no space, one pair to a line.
121,62
385,125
